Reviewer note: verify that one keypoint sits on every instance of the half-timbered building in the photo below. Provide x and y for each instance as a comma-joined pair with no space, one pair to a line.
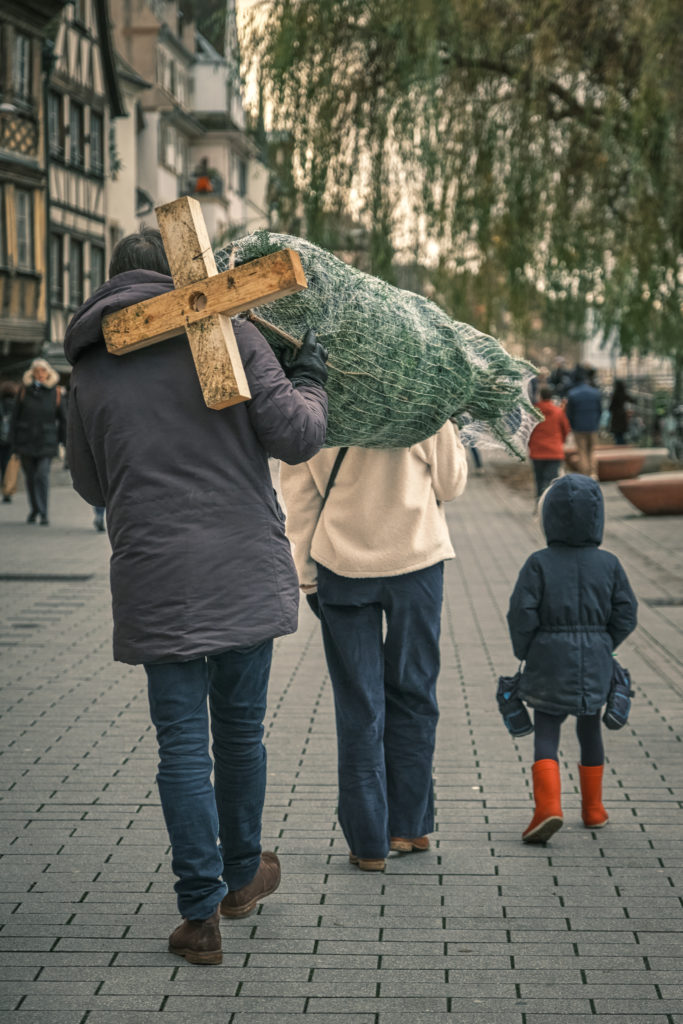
23,307
83,95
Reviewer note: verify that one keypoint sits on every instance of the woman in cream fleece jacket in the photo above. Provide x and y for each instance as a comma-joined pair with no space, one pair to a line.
376,552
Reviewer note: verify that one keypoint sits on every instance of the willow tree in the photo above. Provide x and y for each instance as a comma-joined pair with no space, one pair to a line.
530,149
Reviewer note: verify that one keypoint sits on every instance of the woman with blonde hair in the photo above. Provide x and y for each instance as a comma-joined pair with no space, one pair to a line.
38,427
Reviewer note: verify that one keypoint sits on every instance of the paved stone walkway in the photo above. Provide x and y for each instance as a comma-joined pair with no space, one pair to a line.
481,929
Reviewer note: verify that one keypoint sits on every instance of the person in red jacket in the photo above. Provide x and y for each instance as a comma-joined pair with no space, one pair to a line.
546,444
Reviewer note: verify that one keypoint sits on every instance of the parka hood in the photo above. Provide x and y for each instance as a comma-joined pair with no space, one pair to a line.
50,382
573,511
85,326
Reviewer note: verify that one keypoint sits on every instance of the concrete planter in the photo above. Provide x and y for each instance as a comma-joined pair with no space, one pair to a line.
656,494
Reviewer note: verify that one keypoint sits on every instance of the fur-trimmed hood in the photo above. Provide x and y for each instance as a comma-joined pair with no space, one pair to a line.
52,375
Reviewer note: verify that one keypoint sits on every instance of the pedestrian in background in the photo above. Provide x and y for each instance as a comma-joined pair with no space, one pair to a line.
561,378
370,554
202,575
98,521
8,394
584,409
619,412
536,383
546,443
571,607
38,428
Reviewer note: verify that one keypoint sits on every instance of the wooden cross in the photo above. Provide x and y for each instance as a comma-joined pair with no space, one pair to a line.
203,302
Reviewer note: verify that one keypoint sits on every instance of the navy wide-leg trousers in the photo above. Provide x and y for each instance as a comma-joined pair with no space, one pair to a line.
381,639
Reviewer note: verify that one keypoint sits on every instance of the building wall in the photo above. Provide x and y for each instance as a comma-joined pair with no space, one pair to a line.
121,185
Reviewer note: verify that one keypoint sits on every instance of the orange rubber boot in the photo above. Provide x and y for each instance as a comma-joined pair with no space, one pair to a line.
593,813
548,811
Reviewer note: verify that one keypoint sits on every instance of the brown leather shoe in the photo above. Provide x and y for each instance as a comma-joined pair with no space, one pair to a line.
198,941
368,863
417,845
266,880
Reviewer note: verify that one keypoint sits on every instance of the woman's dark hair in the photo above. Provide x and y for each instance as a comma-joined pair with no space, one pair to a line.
619,389
141,251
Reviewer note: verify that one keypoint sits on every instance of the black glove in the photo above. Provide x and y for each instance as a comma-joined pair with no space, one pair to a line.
307,365
314,604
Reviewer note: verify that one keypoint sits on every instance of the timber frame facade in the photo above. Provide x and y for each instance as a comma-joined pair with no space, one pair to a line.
23,214
82,96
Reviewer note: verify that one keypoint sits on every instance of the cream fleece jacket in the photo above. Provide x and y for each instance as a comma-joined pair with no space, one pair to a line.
384,515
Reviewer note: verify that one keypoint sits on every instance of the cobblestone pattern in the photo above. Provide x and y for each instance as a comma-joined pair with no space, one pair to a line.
481,929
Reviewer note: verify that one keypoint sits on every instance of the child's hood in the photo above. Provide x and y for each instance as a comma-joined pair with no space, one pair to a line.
573,511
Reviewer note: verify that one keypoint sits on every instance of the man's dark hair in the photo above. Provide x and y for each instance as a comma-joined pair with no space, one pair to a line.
546,392
142,251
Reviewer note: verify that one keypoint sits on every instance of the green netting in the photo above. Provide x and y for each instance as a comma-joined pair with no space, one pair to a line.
399,367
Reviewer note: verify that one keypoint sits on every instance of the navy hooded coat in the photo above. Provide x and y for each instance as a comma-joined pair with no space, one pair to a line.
572,605
200,562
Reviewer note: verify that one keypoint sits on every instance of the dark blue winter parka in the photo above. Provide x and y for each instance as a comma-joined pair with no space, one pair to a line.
572,605
200,561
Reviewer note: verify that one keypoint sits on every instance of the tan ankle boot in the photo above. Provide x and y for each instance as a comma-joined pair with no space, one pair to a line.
198,941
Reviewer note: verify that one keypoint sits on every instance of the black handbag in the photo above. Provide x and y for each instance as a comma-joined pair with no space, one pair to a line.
512,707
312,599
619,697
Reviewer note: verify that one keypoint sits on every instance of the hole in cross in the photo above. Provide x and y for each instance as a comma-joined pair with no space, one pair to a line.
198,301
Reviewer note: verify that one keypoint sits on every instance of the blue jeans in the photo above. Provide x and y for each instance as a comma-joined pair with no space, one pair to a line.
37,474
215,830
385,701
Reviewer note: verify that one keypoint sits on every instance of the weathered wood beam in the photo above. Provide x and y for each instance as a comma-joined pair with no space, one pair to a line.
234,291
212,341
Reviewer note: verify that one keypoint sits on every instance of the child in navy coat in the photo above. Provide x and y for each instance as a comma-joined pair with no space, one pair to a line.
571,606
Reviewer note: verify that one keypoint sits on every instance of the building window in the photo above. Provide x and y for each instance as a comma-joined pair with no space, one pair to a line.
24,208
75,273
76,134
183,159
242,177
181,90
55,121
162,66
172,148
80,12
22,66
3,232
96,143
57,270
96,267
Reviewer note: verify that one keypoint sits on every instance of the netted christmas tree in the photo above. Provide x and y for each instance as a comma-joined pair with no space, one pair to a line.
399,367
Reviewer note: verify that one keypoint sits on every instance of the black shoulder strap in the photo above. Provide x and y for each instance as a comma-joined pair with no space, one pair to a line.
333,475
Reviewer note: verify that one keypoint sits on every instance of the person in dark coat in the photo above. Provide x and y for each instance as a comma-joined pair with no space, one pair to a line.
571,607
584,409
37,429
202,575
619,415
560,379
8,394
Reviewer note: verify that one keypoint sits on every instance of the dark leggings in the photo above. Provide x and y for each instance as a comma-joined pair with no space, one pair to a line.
547,737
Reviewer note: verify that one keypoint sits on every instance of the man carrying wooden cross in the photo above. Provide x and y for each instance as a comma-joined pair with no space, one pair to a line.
202,576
